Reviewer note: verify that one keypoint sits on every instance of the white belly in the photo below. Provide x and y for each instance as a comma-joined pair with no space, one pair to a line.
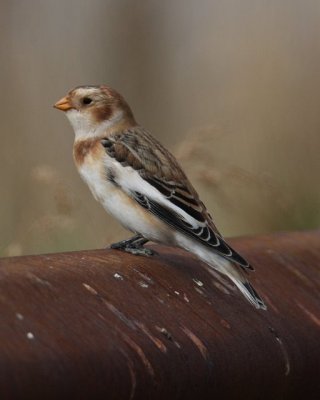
125,209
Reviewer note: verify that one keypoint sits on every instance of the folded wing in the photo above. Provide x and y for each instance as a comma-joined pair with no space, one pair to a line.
159,185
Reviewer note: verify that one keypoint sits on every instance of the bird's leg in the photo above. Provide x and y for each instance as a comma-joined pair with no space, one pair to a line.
138,249
134,245
125,243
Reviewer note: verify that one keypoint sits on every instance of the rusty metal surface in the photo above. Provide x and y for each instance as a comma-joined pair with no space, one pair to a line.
104,324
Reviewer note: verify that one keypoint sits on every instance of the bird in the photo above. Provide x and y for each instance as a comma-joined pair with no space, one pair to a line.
140,183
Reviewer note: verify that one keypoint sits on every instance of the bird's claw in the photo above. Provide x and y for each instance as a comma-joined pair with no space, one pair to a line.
134,246
139,251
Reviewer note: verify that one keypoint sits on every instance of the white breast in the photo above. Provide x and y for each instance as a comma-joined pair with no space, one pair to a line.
102,189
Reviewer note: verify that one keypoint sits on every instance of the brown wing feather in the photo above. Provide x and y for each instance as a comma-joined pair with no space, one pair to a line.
138,149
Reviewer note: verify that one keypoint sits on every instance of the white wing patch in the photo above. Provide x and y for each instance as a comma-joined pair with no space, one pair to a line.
132,183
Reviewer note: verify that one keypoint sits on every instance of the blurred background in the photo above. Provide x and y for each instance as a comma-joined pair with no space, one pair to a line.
231,87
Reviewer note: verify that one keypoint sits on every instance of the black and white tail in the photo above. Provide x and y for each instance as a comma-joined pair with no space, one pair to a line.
238,277
234,272
250,293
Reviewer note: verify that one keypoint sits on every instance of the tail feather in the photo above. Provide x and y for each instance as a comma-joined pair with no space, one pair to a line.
237,276
250,294
226,267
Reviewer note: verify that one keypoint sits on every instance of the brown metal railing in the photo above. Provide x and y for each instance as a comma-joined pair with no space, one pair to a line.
109,325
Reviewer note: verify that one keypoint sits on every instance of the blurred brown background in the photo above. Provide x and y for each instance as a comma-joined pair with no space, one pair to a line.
231,87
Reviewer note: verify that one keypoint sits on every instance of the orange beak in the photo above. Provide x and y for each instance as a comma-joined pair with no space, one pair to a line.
63,104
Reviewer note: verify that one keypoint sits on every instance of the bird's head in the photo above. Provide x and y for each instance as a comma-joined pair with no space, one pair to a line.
94,109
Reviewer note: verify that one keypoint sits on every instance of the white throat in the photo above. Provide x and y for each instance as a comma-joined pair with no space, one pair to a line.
85,128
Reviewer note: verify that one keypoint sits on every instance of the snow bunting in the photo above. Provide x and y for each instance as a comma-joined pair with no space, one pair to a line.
142,185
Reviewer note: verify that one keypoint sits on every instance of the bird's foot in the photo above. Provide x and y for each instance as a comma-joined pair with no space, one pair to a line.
121,245
139,251
134,246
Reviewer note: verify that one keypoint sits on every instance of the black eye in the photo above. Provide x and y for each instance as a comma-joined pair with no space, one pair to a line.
86,100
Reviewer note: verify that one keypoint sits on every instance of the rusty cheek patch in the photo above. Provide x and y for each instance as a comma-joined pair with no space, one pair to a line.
102,113
83,148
